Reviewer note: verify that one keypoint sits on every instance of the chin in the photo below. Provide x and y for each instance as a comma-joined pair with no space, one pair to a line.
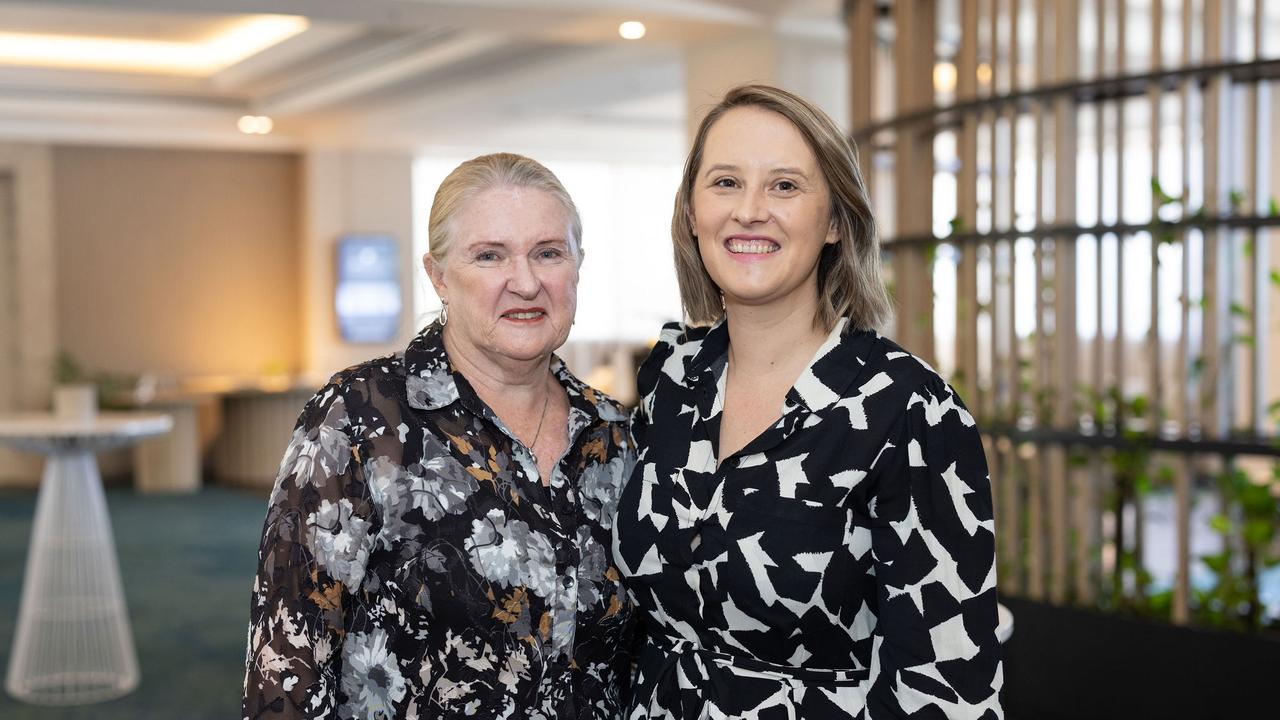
743,294
527,348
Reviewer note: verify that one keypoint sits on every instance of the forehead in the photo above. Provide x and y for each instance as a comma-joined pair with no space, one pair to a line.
754,136
511,215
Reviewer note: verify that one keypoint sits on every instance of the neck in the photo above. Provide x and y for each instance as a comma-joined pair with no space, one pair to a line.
763,338
524,381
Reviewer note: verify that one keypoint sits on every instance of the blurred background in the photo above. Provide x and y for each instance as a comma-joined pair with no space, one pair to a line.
208,206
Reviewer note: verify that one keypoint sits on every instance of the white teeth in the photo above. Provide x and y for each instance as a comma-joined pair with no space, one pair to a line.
752,247
524,315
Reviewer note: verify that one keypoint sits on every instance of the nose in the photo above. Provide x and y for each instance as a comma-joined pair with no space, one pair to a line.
750,208
523,281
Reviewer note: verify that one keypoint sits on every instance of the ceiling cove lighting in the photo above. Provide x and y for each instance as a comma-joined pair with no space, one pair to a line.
631,30
203,58
255,124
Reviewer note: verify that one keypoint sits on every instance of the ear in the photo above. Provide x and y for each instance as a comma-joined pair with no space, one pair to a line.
833,233
435,272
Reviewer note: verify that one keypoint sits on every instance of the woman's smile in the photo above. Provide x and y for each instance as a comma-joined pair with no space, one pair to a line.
750,248
525,316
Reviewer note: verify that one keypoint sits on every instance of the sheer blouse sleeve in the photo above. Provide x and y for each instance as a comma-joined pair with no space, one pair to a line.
318,533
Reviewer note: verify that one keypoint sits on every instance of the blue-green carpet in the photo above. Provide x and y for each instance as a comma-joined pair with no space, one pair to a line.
187,564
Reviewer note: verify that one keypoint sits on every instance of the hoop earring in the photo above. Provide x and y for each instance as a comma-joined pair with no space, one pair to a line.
444,314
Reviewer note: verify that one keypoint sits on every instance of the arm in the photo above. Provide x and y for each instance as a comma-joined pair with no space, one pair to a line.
316,539
935,653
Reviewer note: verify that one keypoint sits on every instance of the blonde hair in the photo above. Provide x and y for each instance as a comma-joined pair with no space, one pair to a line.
849,282
486,172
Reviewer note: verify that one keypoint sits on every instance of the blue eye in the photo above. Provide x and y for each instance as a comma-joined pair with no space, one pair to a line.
549,253
487,256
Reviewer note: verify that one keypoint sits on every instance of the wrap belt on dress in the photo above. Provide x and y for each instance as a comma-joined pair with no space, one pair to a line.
691,681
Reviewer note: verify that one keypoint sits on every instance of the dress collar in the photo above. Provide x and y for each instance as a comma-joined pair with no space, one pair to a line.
834,367
433,383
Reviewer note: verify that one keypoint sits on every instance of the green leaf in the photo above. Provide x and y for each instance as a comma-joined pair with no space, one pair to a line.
1217,563
1256,500
1258,533
1273,207
1247,248
1138,405
1165,473
1243,340
1158,196
1236,197
1220,524
1197,367
1239,310
1274,409
1275,278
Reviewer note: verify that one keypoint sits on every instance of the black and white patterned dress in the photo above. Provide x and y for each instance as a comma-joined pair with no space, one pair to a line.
413,565
841,565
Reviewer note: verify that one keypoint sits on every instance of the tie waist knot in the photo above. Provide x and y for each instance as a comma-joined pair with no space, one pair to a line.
692,678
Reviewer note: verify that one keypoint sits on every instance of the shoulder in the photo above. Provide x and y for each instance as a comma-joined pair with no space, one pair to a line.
904,367
676,343
924,391
606,408
609,409
350,388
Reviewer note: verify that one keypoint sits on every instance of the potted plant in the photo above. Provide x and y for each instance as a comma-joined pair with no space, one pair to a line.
75,395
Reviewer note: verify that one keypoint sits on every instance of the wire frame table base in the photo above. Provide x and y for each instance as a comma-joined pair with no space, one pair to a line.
73,643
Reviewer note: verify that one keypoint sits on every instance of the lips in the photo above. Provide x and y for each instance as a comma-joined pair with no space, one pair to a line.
525,314
750,245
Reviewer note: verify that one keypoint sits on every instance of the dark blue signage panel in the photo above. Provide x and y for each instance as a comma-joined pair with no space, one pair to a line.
367,294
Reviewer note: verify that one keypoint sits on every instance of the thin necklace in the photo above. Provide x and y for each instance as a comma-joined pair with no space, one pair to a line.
546,400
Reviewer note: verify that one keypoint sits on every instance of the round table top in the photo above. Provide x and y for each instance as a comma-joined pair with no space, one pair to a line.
45,432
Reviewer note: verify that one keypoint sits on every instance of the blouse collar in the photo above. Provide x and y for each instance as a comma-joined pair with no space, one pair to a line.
433,383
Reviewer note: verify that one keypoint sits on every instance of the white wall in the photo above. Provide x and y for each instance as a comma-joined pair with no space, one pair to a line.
349,191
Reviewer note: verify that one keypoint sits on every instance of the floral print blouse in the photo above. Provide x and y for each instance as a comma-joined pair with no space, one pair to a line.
840,566
413,565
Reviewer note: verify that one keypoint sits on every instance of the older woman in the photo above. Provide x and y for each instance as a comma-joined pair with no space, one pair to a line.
436,543
808,530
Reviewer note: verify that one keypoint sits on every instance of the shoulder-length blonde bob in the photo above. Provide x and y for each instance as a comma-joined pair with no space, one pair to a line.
849,283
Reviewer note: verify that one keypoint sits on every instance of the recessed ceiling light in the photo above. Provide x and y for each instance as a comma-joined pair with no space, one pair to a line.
631,30
255,124
241,40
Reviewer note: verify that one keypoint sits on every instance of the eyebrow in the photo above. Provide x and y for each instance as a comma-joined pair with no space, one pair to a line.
776,171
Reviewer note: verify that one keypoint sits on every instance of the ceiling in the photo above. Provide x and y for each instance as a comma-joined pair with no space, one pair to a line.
405,74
